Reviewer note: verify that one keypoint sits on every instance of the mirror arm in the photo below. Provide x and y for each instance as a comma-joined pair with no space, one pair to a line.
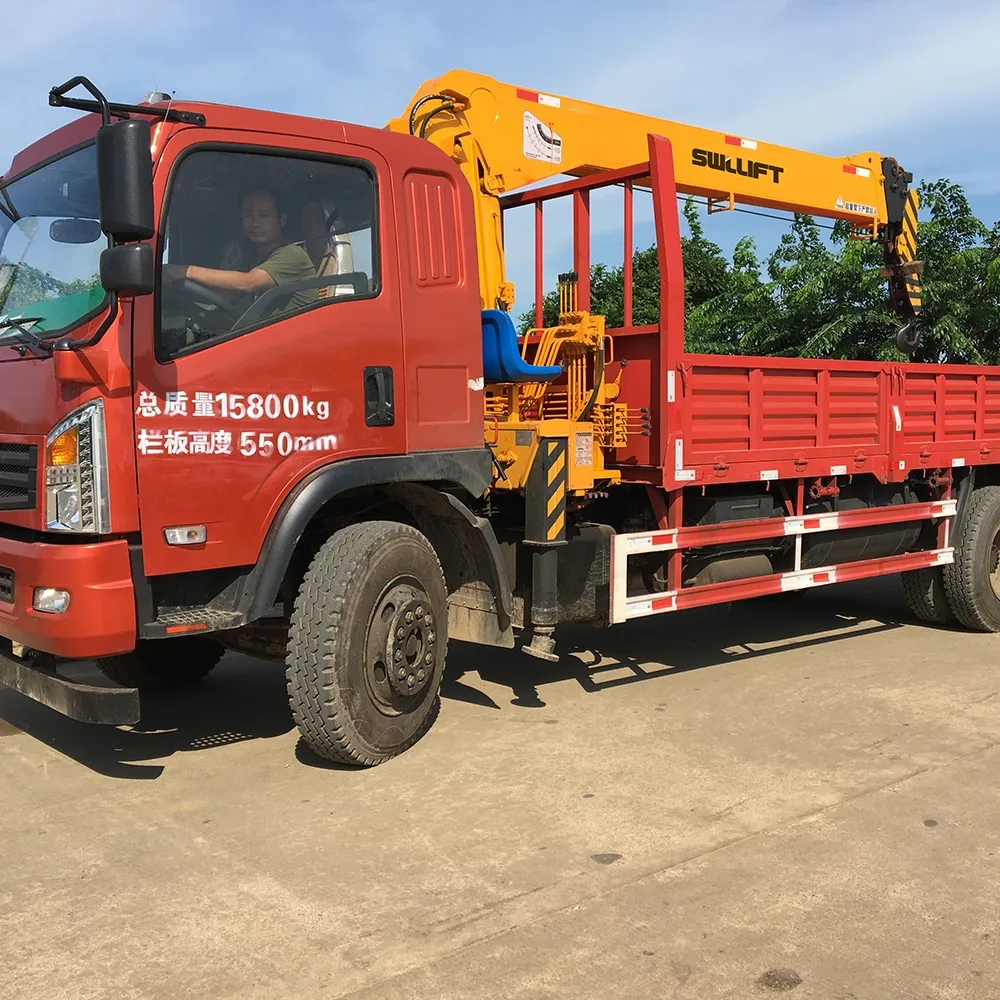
109,109
69,344
57,98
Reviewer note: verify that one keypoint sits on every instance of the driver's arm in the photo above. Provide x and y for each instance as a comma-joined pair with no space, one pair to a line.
244,282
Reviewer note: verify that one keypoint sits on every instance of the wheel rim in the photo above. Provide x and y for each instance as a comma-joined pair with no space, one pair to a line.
400,647
995,565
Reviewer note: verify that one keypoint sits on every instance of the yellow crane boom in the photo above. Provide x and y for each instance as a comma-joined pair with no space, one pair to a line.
505,137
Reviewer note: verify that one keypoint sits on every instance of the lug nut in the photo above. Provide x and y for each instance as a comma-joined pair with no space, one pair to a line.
398,656
409,680
428,658
428,620
409,617
400,632
430,636
402,673
421,674
420,611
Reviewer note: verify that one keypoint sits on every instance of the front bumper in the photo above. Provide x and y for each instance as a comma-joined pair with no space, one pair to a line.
100,620
110,706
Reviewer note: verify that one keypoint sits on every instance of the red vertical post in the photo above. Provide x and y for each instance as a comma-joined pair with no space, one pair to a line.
667,413
945,525
675,519
539,285
581,247
668,247
627,272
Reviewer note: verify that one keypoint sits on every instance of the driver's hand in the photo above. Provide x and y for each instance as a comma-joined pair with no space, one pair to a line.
174,272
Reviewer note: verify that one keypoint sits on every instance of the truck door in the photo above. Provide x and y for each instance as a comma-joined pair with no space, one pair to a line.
241,392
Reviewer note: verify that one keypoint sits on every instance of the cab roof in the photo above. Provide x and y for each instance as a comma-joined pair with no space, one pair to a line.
222,116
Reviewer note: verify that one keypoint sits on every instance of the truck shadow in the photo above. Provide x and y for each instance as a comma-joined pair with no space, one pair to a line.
245,699
242,699
659,646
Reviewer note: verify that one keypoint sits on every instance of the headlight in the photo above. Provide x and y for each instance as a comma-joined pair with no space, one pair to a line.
76,473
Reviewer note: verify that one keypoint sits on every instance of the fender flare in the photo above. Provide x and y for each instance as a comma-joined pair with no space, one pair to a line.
469,469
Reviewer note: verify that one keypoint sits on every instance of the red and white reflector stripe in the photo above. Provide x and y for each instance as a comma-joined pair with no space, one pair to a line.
735,140
807,525
807,578
651,541
537,98
651,606
849,168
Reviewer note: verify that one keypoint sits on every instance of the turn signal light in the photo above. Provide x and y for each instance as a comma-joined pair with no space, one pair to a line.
64,449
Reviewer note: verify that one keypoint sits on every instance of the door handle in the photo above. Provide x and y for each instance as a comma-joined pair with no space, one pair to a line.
379,411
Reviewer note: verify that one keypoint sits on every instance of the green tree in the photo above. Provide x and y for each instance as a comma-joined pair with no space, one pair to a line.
823,298
22,286
961,279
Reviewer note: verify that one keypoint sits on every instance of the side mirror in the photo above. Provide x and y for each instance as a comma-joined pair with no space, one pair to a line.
74,231
128,269
125,180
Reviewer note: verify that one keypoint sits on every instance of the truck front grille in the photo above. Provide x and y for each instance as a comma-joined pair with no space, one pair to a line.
18,476
6,585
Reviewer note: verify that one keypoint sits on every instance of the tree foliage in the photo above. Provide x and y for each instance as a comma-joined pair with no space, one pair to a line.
812,297
22,286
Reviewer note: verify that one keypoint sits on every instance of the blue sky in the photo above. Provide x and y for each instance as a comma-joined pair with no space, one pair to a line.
919,81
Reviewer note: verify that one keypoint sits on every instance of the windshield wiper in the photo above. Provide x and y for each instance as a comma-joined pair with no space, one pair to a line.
42,348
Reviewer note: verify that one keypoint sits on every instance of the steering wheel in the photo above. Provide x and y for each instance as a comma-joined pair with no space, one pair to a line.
197,292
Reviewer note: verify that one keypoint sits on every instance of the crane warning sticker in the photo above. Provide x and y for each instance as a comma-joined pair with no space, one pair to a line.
853,206
540,142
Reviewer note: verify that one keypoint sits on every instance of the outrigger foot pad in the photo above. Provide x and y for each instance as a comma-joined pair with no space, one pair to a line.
542,644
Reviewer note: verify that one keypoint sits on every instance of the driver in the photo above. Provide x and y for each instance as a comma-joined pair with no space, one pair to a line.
274,261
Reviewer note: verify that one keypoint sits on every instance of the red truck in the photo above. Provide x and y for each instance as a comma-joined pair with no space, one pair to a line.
260,390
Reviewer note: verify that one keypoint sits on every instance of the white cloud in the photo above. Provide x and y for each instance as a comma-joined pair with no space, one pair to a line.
837,76
919,81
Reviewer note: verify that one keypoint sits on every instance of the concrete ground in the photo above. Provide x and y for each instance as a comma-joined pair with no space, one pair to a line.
798,797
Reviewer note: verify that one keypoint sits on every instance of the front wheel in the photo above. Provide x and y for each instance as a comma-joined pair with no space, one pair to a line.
367,644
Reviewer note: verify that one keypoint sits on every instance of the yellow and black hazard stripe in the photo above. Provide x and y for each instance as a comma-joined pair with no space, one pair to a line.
907,249
913,293
555,487
907,243
546,493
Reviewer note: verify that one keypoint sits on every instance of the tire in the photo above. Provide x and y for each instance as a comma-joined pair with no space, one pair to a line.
925,596
345,634
164,664
972,581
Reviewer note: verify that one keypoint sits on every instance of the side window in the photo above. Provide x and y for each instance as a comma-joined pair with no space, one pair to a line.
252,238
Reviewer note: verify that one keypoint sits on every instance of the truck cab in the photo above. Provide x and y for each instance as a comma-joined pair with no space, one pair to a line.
166,445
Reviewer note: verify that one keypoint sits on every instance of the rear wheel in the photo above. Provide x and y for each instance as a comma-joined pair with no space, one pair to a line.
367,644
925,596
164,664
972,581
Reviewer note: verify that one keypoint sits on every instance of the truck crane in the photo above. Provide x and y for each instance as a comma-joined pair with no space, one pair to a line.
504,137
260,390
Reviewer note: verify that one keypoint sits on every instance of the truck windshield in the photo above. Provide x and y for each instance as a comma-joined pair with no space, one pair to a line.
50,247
